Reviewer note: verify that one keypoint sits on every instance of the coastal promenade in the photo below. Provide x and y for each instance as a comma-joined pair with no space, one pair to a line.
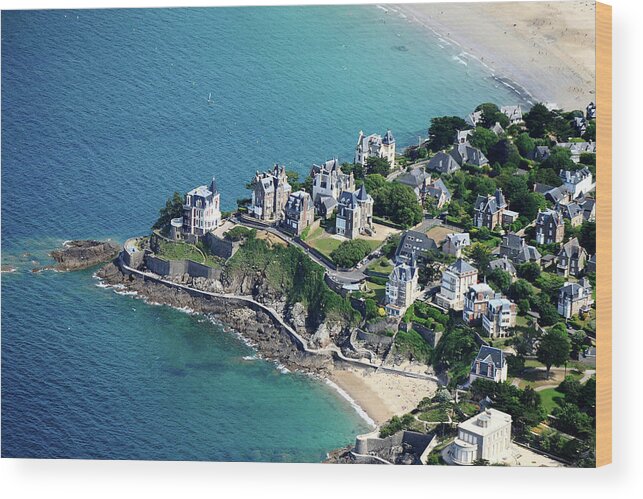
301,342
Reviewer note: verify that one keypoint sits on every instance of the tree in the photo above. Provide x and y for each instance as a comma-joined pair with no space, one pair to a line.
538,120
491,115
520,290
374,182
529,271
528,204
481,255
293,180
550,284
590,132
350,253
560,158
378,165
173,209
500,279
587,238
399,203
483,139
443,130
505,153
548,313
578,340
370,309
525,144
553,349
357,169
571,420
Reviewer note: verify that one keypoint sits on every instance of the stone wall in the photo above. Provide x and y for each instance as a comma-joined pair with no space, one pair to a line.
179,267
220,247
372,444
374,339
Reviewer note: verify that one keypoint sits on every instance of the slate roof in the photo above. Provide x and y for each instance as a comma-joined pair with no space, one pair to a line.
492,203
571,210
461,267
488,355
415,178
414,242
388,138
465,153
497,129
503,264
575,176
361,194
549,216
348,199
571,248
443,163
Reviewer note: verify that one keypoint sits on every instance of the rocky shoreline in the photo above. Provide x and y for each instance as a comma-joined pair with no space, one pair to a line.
81,254
255,326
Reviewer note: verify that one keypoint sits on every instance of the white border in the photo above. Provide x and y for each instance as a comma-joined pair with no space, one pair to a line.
109,479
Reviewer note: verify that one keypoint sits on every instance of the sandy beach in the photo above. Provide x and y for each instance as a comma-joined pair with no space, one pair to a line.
382,395
547,48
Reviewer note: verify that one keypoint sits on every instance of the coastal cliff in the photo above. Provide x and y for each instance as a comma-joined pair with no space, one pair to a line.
254,325
77,255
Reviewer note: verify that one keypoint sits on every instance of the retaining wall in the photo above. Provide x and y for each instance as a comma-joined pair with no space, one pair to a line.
180,267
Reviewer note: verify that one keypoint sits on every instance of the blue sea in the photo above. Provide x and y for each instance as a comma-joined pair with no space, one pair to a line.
104,115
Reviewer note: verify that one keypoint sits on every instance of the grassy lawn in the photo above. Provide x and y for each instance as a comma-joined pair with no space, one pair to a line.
522,321
436,415
378,289
549,398
468,408
179,251
325,244
382,265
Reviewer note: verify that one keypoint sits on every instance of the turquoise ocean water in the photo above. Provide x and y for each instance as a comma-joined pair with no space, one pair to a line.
104,114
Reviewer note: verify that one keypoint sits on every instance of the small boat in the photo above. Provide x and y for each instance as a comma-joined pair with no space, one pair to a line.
210,101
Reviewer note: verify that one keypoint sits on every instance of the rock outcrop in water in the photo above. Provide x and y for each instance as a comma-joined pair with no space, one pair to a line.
77,255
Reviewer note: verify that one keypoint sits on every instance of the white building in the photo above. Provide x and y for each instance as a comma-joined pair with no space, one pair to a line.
401,288
577,182
484,436
375,146
499,317
514,113
456,280
201,210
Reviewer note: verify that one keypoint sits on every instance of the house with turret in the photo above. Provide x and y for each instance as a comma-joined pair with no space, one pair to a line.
550,227
201,210
402,287
491,211
328,183
375,145
270,194
571,259
354,213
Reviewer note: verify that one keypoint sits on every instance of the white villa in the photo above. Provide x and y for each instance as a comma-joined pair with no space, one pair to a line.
456,280
455,243
484,436
402,287
577,182
201,210
375,146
